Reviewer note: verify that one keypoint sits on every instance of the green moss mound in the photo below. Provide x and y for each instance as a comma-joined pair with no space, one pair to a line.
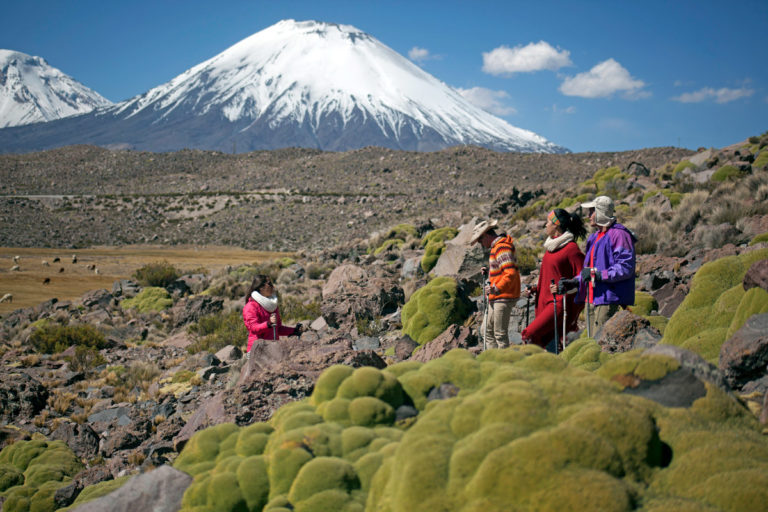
725,173
433,308
716,305
527,430
683,165
434,244
761,162
149,299
96,491
763,237
32,471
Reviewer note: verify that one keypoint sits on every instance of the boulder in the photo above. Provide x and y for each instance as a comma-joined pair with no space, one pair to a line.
743,357
625,331
659,202
159,490
192,309
81,439
21,397
351,293
181,339
210,413
404,347
455,336
459,259
757,276
229,354
96,298
669,297
125,288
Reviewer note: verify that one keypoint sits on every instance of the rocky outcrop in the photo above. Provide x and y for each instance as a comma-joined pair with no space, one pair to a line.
192,309
21,397
455,336
351,294
757,276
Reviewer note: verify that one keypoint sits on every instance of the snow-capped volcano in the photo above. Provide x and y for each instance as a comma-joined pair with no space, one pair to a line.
306,84
31,91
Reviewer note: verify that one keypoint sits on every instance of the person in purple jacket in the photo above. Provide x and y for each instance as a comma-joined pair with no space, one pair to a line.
607,280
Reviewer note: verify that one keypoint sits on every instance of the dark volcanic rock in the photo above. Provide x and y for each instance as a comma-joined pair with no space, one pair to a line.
454,336
192,309
351,294
21,397
625,331
744,356
757,276
81,439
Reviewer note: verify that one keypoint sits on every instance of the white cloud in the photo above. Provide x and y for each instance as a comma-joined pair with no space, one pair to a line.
419,54
488,100
603,80
521,59
722,95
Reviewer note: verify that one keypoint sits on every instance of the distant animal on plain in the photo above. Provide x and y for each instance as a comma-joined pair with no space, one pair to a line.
61,270
16,259
46,264
47,280
96,271
91,267
15,268
8,297
56,259
74,258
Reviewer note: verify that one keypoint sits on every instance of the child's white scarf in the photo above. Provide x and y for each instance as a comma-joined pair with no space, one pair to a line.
268,303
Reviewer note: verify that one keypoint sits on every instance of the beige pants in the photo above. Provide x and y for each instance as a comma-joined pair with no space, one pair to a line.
497,320
601,314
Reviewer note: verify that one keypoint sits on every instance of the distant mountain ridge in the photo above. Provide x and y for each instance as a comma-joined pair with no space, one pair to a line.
294,84
32,91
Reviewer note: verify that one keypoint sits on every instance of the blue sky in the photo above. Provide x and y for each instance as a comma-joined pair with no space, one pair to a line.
588,75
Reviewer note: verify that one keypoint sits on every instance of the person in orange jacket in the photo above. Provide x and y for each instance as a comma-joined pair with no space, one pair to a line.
503,286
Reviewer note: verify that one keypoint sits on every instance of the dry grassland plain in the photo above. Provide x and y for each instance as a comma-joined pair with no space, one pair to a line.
68,280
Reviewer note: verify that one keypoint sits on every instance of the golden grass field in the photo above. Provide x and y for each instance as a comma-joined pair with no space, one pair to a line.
69,280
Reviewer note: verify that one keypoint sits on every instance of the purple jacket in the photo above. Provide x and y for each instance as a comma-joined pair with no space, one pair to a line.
615,260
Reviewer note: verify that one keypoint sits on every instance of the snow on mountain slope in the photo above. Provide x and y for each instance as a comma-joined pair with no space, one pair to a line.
294,84
304,72
32,91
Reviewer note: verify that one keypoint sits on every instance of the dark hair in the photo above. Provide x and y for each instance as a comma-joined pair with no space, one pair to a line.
258,281
571,222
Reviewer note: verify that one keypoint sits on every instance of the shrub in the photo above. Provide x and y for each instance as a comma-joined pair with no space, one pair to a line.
726,172
85,359
149,299
218,331
527,259
140,375
392,243
156,274
292,308
433,308
50,339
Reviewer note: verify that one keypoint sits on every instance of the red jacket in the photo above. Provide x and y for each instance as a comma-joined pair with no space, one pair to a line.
256,320
566,262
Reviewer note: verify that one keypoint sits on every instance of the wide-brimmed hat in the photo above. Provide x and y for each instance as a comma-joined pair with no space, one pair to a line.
480,229
604,208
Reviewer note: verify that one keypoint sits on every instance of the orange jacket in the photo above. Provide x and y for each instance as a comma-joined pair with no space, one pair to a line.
502,266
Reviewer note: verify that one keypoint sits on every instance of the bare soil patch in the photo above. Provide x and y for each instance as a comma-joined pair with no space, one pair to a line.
70,280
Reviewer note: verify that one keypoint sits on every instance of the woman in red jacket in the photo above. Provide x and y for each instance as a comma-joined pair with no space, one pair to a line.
260,314
562,258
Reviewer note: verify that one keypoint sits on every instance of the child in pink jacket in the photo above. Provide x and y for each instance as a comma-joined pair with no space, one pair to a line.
260,314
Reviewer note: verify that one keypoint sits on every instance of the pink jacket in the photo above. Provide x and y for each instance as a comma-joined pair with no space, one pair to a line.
256,320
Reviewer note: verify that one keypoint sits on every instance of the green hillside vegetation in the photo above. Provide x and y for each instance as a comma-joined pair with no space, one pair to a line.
433,308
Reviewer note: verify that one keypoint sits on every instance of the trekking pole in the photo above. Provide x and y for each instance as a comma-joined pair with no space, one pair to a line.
485,309
554,303
527,309
565,314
